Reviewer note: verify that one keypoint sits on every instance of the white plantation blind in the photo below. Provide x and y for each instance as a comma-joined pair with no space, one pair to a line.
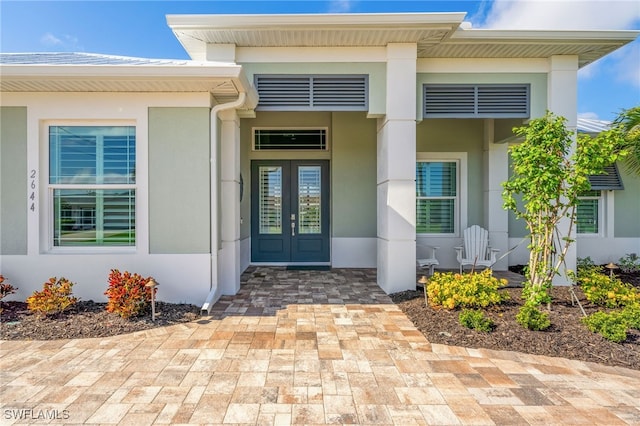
270,199
314,93
309,200
476,101
436,196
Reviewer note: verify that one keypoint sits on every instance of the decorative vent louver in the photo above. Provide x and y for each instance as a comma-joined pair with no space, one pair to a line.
476,101
610,180
319,93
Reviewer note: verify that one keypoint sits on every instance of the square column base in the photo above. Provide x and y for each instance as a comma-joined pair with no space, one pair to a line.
396,265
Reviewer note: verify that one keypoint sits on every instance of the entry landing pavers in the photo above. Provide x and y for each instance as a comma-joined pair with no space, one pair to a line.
303,363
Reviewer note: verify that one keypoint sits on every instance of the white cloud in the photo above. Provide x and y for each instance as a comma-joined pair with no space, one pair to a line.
49,39
563,14
588,115
340,6
64,42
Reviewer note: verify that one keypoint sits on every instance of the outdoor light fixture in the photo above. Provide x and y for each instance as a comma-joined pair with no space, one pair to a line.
152,284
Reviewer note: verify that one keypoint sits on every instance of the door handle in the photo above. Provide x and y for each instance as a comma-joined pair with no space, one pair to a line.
293,229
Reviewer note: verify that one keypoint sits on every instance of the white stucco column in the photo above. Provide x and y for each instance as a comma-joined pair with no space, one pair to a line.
229,209
396,158
562,100
496,165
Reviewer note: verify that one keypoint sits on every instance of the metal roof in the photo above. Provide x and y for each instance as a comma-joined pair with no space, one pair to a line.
90,72
586,125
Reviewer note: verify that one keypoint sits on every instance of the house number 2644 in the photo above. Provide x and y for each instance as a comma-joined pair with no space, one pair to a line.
32,190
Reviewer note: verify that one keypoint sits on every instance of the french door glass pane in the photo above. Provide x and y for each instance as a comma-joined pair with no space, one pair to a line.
435,216
587,216
270,199
94,217
309,200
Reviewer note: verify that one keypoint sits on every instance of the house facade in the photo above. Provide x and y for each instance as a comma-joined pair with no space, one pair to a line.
349,140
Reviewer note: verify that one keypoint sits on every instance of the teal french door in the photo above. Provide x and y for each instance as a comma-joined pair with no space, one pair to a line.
290,211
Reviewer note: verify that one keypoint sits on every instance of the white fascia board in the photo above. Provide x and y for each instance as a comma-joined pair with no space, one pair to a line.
482,65
542,36
310,54
348,20
124,71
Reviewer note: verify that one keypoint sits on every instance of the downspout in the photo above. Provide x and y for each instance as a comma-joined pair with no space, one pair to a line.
214,291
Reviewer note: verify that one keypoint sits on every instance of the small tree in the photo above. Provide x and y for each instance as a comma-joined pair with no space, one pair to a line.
549,177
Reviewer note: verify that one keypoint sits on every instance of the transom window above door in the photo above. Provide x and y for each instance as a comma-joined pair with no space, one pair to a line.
311,139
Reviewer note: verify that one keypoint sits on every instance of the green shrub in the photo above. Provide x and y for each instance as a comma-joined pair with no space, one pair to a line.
451,290
629,263
604,290
631,314
475,320
127,294
532,318
54,298
612,326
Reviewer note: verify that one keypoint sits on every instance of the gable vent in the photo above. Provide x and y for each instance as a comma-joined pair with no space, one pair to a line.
610,179
317,93
476,101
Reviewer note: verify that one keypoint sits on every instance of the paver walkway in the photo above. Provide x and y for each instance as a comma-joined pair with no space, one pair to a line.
303,347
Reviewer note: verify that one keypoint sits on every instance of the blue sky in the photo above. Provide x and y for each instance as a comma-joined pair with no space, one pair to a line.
139,28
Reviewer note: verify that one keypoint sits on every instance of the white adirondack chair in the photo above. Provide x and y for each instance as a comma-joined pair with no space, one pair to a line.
476,250
429,262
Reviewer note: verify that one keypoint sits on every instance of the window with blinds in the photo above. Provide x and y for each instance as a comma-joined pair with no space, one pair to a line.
436,197
588,212
309,200
270,199
92,185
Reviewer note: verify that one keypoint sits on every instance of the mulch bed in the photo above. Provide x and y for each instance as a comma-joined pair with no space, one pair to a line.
85,319
567,337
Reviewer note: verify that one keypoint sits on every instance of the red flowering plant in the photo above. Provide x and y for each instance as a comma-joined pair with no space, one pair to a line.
127,293
54,298
5,290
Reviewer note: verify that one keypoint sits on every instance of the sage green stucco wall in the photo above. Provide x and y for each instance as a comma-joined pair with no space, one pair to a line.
627,206
538,83
352,152
179,195
377,72
13,180
353,175
458,135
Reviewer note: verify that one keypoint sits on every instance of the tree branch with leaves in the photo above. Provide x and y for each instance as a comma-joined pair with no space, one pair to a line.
549,173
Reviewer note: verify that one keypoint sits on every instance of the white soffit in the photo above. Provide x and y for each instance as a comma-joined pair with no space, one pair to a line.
82,72
315,30
438,35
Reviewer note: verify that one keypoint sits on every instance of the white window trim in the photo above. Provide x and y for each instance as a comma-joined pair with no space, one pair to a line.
327,147
47,209
460,220
605,211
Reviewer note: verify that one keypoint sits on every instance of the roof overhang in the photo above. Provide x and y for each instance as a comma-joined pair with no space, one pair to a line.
223,81
437,35
311,30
